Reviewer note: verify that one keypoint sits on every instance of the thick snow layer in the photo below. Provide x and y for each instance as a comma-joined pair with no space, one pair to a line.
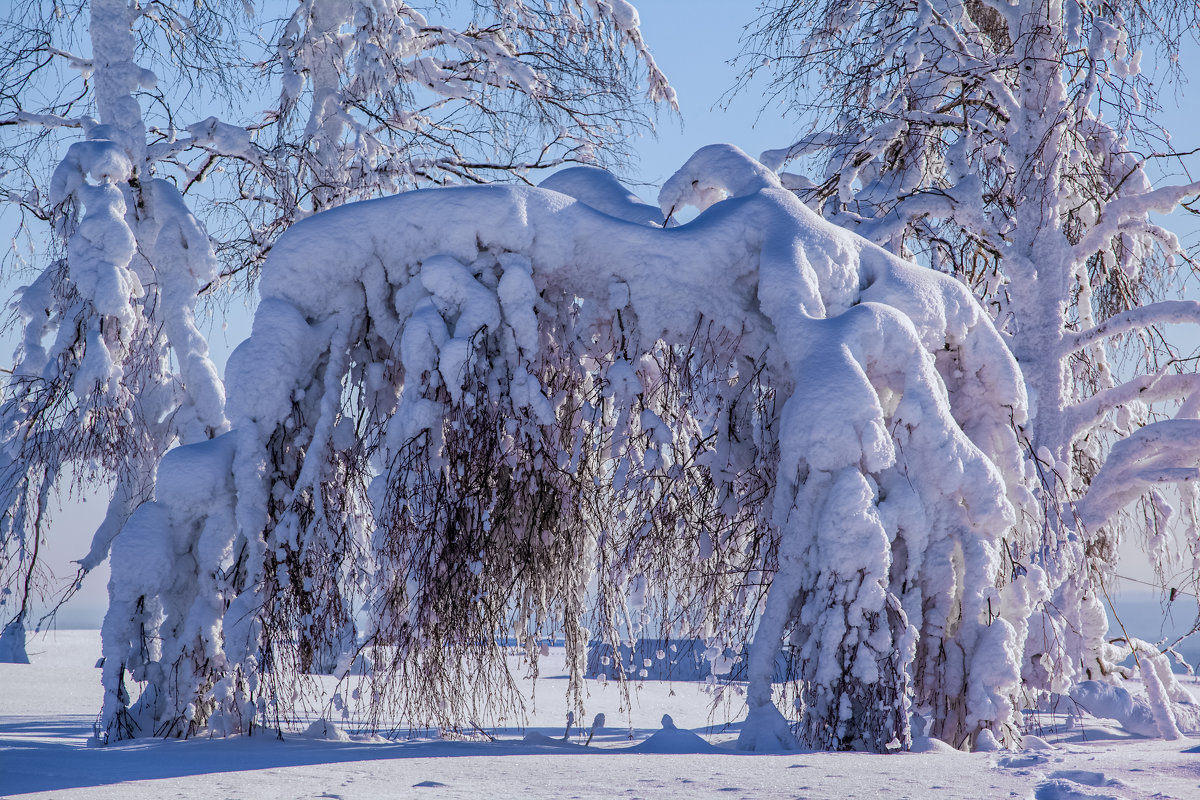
47,709
598,188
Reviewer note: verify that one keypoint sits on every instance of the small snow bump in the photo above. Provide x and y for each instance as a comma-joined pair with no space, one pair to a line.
1059,789
986,742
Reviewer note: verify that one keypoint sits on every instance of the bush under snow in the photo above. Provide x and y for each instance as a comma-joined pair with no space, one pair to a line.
474,413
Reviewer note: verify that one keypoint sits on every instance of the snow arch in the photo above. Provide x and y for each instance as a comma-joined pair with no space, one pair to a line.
460,406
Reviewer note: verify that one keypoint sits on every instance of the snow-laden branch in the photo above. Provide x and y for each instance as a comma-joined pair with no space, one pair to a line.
216,137
44,120
1164,312
1163,452
374,98
1152,388
1000,141
1118,210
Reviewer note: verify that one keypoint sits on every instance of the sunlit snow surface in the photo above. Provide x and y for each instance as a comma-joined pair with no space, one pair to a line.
47,709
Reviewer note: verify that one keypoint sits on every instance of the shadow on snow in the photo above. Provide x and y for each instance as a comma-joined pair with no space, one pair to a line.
48,756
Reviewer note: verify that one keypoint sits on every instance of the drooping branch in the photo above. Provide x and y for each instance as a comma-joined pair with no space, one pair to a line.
1008,144
1157,454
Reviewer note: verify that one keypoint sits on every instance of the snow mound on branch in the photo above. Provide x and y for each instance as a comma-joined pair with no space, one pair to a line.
714,173
600,189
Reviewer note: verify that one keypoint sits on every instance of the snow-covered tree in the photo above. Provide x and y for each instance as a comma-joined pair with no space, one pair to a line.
458,407
93,388
161,199
1012,144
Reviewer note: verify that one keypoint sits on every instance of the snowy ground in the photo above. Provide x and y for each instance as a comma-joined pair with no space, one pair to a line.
46,713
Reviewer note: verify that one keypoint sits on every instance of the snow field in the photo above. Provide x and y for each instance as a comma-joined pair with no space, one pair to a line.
47,710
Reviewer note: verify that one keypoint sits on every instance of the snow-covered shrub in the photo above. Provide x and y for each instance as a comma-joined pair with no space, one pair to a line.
476,413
